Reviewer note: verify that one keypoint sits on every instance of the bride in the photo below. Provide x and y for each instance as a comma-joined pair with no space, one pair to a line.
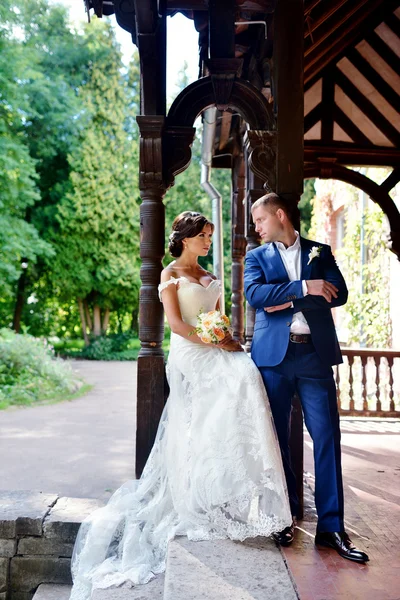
215,469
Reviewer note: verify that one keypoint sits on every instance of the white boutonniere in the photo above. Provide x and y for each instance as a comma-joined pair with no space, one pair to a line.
314,253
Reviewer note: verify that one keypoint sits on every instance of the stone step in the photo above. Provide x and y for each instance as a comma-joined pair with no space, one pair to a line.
154,590
37,534
227,570
50,591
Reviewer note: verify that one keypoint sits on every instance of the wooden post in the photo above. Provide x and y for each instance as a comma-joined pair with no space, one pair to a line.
151,41
260,155
254,191
289,102
150,390
238,246
289,97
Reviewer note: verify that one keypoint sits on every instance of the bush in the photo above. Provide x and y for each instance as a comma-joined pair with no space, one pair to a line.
29,371
117,346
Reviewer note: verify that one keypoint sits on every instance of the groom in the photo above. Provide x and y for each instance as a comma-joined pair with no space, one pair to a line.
293,283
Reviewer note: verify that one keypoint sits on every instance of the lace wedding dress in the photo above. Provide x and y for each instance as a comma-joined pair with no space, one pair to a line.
214,472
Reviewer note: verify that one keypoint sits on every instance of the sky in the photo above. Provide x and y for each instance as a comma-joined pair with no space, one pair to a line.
181,42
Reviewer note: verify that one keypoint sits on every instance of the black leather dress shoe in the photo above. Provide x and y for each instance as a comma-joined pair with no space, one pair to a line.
286,536
340,541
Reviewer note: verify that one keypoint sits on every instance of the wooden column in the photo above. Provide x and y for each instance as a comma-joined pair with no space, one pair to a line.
289,103
238,246
260,158
289,97
151,41
150,390
254,191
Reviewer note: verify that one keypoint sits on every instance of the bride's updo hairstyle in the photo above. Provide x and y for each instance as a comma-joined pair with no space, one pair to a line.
186,225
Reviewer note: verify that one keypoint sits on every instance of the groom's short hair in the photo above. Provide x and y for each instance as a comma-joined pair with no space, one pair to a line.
273,201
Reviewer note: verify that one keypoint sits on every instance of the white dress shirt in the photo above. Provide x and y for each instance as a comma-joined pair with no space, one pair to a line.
291,258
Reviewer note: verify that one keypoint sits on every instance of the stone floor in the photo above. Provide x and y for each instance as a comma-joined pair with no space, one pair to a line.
52,448
371,468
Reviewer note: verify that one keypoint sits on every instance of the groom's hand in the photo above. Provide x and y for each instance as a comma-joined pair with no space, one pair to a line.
271,309
320,287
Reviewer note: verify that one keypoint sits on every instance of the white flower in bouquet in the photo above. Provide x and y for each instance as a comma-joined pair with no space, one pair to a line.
212,327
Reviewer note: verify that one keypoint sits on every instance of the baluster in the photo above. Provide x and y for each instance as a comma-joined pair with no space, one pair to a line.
390,360
337,381
377,360
364,360
351,391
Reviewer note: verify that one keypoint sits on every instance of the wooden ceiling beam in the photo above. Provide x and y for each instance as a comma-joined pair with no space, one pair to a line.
313,117
328,103
384,51
310,6
394,23
348,127
351,154
311,25
367,108
374,78
348,17
353,31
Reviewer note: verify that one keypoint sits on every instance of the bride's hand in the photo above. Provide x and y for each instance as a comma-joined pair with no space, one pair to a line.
234,346
226,341
230,345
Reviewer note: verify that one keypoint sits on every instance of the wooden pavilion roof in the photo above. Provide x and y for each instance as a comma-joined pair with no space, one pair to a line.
351,76
352,82
351,72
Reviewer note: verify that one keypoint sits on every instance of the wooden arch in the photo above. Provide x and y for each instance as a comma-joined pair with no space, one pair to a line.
236,94
203,93
377,193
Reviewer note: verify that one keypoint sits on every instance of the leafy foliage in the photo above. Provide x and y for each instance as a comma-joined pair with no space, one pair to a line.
98,242
29,372
363,258
368,307
305,206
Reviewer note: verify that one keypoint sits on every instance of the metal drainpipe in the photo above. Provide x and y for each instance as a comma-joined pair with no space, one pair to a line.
209,124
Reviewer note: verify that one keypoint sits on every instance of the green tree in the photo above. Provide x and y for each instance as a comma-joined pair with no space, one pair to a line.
305,206
20,242
97,245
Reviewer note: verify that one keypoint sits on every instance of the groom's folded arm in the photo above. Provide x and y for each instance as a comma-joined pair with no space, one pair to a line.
333,275
260,294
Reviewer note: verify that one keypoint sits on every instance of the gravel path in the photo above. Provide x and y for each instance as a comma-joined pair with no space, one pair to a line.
83,448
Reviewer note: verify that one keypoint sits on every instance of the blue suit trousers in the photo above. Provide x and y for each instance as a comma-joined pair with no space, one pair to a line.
303,371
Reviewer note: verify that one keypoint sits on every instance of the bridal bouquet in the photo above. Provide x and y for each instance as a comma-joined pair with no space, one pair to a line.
212,327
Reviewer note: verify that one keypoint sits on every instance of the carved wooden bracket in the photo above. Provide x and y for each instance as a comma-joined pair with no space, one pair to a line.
177,151
150,162
261,149
223,72
326,164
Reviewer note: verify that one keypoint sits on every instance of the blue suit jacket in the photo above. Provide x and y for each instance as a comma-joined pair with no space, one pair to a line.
267,284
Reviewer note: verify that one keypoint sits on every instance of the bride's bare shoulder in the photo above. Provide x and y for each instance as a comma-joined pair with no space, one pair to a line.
169,273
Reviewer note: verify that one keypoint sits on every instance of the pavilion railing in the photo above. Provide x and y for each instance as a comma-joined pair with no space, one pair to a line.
368,383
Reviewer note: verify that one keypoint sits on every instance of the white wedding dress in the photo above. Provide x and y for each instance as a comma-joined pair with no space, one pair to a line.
214,471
